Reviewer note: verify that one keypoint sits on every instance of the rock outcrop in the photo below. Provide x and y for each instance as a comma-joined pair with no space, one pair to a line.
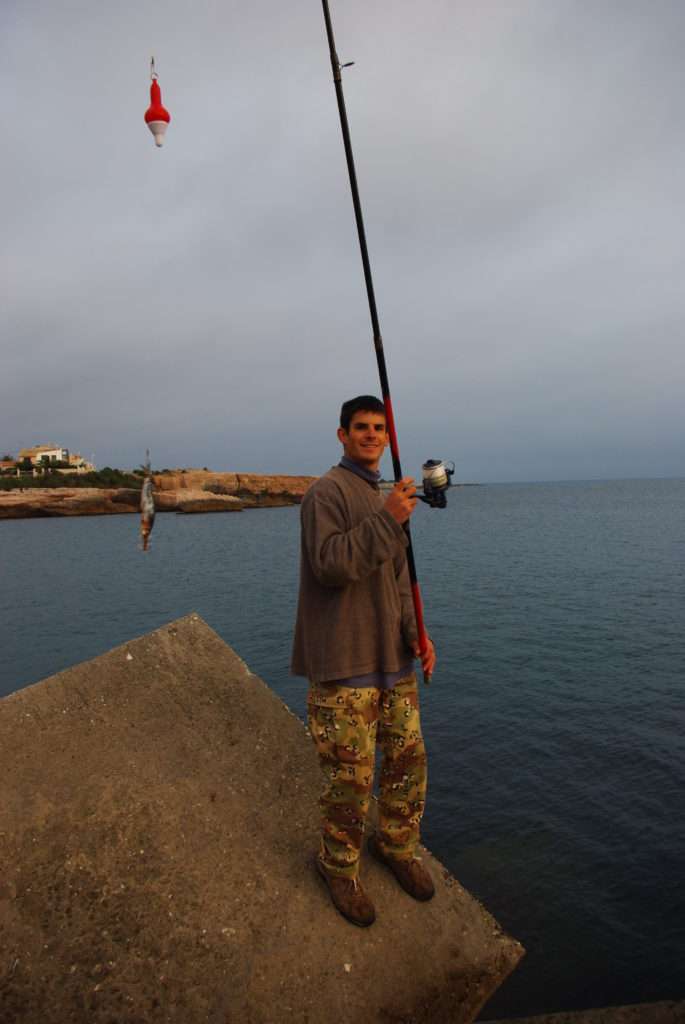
253,489
35,502
196,501
157,826
187,491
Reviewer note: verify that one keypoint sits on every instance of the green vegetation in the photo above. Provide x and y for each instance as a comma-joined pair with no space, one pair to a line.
106,477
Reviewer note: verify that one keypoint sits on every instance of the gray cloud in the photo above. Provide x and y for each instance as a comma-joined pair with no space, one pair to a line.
521,170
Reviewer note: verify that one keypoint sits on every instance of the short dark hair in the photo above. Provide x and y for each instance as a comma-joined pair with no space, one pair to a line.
362,403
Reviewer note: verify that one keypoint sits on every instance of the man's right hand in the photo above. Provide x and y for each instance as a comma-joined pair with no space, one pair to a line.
401,501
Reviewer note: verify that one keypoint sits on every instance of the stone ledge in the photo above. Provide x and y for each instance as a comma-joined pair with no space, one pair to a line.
159,812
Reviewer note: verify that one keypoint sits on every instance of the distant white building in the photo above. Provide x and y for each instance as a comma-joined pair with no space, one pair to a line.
40,453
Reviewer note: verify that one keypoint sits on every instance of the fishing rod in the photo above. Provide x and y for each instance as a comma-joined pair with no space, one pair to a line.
436,478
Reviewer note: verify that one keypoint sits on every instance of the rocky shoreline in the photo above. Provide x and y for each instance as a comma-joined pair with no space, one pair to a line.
188,491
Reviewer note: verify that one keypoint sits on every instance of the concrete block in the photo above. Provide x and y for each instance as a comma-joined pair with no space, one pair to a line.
158,815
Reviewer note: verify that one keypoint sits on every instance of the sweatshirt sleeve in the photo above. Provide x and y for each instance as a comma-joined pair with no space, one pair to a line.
338,556
409,631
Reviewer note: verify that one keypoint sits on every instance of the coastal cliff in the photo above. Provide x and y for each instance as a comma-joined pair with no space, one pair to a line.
254,490
38,502
179,491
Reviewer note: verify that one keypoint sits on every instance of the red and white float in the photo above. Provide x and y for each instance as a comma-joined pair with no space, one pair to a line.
157,117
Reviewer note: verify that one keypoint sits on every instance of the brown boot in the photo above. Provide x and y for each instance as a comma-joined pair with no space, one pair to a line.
348,897
411,874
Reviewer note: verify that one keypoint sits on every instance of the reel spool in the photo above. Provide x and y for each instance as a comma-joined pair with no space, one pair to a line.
437,477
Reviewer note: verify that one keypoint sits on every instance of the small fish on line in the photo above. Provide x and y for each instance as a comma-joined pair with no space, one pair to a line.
147,505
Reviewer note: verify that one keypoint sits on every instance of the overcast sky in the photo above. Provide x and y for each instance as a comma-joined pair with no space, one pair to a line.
521,168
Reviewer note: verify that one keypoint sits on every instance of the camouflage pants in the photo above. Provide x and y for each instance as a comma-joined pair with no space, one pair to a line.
345,723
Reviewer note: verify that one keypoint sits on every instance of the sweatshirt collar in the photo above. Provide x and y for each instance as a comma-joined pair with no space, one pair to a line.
370,475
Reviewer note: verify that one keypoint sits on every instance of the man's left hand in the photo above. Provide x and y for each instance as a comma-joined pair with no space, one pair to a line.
427,658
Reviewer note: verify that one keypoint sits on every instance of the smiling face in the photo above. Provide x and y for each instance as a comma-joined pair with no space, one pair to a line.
366,439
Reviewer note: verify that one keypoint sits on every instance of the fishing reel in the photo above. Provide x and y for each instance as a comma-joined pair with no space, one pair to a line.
436,479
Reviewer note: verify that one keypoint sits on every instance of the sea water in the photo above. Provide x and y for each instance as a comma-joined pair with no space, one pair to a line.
555,723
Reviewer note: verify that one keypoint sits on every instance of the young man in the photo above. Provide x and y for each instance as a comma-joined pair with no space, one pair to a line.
355,640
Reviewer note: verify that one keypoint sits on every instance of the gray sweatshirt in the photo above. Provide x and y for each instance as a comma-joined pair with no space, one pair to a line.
355,613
